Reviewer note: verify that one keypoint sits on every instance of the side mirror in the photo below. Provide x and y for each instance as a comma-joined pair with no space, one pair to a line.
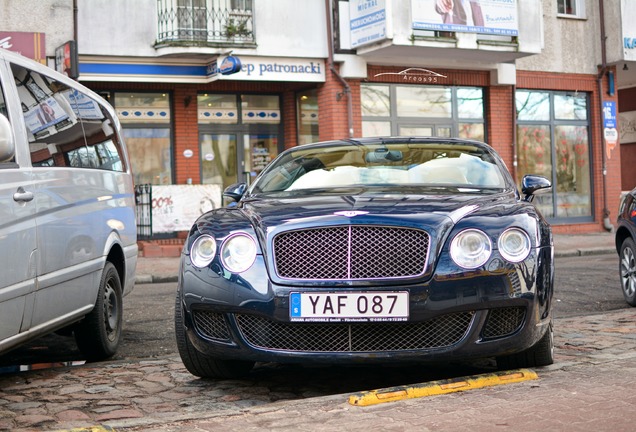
7,143
530,184
235,191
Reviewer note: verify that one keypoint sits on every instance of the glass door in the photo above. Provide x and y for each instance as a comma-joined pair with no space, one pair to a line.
219,160
260,150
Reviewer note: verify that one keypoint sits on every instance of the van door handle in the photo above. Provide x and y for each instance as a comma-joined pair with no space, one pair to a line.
22,196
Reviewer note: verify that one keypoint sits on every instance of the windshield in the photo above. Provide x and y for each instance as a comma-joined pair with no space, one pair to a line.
382,164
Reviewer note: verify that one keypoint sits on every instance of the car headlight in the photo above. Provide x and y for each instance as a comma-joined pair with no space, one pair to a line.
238,252
514,245
470,249
203,250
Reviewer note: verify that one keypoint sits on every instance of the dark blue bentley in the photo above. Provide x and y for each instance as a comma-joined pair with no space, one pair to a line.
370,250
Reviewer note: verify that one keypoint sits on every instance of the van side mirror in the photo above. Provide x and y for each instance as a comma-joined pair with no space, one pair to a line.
7,143
530,184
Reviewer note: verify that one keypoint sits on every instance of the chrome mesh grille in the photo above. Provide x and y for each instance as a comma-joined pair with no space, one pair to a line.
351,252
211,325
503,321
440,332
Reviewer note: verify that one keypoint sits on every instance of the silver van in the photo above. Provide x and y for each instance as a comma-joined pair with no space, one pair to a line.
68,237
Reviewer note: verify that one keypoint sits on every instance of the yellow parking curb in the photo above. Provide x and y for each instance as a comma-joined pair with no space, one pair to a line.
432,388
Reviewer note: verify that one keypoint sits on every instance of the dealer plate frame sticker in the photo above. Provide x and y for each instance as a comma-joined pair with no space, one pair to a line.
349,306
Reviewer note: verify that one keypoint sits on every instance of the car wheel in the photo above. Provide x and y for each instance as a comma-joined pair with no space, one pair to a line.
540,354
627,269
98,334
200,364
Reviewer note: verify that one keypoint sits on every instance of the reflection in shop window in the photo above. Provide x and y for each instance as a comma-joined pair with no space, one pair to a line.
375,100
150,155
260,109
557,147
401,110
533,105
376,128
217,108
570,107
470,103
145,119
474,131
418,101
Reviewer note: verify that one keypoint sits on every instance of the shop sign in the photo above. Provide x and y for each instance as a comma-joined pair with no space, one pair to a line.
610,133
497,17
367,22
230,65
246,69
66,59
176,207
28,44
280,69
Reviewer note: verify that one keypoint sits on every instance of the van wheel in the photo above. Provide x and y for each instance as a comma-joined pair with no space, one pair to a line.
98,334
202,365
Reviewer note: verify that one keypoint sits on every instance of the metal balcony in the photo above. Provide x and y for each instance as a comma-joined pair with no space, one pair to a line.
204,23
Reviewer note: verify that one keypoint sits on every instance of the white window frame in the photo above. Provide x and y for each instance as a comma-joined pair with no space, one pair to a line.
578,12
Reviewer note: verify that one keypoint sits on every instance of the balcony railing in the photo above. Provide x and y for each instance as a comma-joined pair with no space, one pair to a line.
205,22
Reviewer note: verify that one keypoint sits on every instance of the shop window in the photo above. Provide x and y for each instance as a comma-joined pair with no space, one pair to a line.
307,103
417,101
556,146
145,119
422,110
376,100
217,108
260,109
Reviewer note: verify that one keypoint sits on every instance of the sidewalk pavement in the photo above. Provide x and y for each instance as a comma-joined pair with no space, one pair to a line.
165,269
590,387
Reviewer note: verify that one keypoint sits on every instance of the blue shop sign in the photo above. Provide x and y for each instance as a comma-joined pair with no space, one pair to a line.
230,65
609,115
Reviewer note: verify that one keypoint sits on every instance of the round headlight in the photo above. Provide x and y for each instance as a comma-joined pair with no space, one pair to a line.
238,253
203,250
470,249
514,245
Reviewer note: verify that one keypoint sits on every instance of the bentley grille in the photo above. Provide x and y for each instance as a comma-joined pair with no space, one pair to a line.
440,332
351,252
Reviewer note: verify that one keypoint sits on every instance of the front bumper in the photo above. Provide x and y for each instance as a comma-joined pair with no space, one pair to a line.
454,315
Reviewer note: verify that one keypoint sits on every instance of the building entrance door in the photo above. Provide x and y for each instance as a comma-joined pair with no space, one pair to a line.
235,157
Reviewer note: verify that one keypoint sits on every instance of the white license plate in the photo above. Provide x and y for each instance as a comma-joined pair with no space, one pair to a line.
349,306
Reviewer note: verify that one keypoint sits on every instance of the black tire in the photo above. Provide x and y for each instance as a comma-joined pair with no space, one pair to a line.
627,270
202,365
540,354
99,333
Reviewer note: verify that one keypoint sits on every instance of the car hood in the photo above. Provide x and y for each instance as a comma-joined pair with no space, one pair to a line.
436,213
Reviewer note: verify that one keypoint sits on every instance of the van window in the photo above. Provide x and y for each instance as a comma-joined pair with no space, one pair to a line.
5,161
66,127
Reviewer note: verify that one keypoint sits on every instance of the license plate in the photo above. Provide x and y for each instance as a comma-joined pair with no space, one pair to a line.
349,306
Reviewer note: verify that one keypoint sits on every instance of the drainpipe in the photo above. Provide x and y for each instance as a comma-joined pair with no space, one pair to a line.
345,84
599,80
75,21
